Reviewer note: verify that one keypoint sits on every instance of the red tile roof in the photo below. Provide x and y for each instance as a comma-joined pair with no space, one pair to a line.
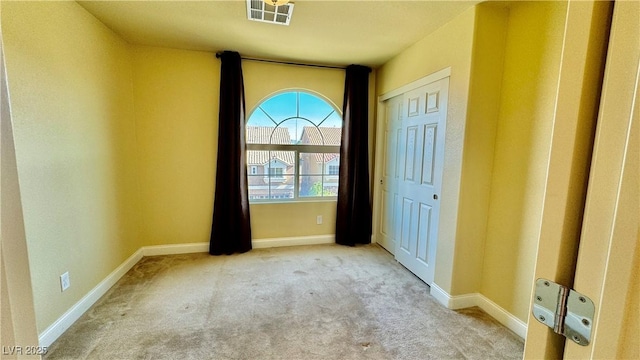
263,135
322,136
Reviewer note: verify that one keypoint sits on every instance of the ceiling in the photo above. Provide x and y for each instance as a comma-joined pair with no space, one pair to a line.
320,32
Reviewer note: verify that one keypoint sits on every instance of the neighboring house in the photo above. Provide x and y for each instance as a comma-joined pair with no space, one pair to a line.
278,164
320,170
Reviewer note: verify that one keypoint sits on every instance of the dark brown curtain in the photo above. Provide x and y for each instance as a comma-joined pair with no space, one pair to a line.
353,217
231,226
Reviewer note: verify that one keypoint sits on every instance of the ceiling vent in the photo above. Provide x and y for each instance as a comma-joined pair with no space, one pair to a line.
259,10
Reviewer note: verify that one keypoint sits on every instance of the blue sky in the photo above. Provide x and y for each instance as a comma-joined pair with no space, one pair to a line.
283,106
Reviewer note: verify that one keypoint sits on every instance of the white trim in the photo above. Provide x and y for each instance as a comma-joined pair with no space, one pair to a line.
255,243
463,301
438,75
175,249
50,334
453,302
293,241
442,296
475,299
503,316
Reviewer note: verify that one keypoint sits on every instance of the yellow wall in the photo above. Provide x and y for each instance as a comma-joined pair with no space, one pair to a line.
449,46
70,87
531,70
176,110
479,139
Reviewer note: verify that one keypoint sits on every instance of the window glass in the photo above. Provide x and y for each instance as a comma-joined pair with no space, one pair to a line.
293,145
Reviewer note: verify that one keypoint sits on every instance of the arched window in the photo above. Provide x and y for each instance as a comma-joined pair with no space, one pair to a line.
293,148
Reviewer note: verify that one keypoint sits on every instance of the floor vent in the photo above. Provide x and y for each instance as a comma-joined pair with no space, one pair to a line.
258,10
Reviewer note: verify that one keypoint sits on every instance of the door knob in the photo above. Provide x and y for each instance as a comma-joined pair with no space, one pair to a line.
435,197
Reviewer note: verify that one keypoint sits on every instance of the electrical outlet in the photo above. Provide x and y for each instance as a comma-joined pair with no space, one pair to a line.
64,281
319,219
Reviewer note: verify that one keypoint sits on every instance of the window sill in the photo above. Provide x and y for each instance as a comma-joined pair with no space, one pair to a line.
296,202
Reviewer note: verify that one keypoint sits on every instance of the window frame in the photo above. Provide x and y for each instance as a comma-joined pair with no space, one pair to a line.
297,149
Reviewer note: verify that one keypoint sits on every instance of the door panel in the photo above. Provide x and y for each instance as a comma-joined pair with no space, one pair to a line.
389,231
396,145
424,224
410,154
397,216
387,218
429,154
406,217
422,153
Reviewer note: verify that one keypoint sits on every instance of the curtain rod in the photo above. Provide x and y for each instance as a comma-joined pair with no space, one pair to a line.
294,63
289,63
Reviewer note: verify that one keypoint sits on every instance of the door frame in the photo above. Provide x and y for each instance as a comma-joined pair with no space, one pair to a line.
18,329
609,240
576,110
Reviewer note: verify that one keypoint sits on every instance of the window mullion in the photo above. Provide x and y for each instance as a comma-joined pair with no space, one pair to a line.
324,164
269,176
296,182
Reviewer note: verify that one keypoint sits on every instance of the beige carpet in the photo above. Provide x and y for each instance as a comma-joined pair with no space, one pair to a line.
308,302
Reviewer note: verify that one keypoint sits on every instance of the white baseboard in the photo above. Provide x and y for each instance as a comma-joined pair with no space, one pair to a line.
255,243
442,296
175,249
468,300
293,241
51,333
463,301
503,316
